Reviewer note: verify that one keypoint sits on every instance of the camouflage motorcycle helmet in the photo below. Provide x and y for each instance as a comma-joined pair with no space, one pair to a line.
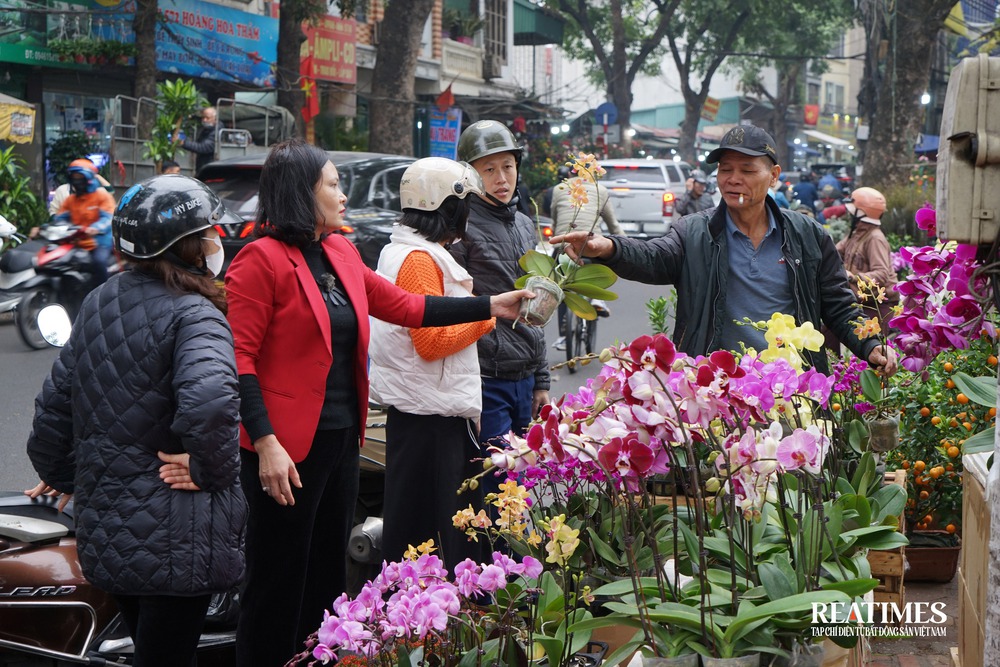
156,213
487,137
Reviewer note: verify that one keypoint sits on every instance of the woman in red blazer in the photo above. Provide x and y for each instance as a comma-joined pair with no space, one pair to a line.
299,300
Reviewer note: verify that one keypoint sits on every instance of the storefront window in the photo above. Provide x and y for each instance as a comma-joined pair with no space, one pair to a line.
65,112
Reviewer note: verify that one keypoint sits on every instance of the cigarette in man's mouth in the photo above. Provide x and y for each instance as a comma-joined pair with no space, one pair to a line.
741,200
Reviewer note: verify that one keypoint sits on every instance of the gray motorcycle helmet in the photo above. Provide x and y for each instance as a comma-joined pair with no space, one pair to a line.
154,214
487,137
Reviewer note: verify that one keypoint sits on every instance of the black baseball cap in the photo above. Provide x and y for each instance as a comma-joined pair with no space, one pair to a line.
746,139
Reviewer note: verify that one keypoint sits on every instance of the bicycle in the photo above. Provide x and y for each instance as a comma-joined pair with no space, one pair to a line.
581,334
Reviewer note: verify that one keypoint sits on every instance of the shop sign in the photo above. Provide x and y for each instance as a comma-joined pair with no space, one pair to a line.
445,128
710,109
331,44
193,38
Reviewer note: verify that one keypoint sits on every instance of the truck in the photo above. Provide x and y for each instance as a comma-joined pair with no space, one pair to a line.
243,128
643,193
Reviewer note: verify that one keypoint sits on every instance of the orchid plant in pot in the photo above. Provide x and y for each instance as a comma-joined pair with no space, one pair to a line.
556,278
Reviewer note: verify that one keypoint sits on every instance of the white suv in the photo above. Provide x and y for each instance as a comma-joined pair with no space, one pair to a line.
643,193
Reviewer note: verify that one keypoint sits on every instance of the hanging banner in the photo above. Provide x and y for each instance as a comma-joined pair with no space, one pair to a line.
17,123
330,43
445,128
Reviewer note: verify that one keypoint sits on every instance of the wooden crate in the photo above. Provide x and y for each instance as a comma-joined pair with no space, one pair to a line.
888,566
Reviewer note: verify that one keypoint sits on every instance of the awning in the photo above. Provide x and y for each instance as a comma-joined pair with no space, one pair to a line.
825,138
17,120
535,25
804,148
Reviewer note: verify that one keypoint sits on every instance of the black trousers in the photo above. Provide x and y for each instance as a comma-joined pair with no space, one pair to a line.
427,459
164,628
297,554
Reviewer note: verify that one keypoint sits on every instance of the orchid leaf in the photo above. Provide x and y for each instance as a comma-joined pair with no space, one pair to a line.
981,390
536,263
603,550
852,587
580,306
598,275
748,615
871,385
589,290
775,581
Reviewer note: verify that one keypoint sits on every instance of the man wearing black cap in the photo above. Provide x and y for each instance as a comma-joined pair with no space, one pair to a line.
695,199
745,259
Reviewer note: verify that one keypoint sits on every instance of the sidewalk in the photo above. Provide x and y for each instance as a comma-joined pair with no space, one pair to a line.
923,651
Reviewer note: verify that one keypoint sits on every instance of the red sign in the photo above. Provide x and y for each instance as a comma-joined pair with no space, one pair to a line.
331,44
811,114
710,110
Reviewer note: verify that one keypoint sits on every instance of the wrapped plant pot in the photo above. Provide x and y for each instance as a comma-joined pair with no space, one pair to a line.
538,311
884,434
749,660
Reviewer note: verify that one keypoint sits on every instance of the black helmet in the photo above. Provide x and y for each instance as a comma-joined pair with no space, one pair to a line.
564,172
486,138
154,214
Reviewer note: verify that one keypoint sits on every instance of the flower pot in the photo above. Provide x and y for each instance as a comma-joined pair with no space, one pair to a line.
748,660
687,660
538,311
931,563
884,434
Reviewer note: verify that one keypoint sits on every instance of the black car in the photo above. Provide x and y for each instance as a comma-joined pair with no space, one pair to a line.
370,181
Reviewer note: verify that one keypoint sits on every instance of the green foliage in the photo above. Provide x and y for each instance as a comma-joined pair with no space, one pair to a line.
338,133
902,202
639,19
540,169
18,203
176,102
947,409
71,145
660,310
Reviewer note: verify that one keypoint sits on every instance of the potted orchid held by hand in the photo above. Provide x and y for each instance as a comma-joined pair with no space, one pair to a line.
558,278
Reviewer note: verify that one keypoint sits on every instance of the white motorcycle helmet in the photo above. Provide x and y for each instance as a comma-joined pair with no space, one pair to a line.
429,181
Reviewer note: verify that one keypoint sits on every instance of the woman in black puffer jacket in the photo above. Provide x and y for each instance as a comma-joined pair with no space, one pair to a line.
139,421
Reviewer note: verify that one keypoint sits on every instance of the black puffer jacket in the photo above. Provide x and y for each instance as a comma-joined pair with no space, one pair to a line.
146,370
494,240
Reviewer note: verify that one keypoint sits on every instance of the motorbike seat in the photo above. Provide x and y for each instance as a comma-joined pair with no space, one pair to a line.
13,261
41,508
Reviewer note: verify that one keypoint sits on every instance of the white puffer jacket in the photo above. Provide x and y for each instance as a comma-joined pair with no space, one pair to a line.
400,378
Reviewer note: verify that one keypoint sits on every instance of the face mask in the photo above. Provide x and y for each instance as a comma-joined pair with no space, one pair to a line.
78,186
208,123
214,261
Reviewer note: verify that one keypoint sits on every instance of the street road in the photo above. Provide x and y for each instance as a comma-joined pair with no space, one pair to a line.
22,372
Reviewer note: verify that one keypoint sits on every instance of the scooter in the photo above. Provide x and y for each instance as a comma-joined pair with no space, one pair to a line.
51,616
16,264
63,276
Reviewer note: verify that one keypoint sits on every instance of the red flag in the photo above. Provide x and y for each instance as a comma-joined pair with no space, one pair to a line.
445,100
311,109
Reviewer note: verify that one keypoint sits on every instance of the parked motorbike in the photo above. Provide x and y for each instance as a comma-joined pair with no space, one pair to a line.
16,264
63,277
51,616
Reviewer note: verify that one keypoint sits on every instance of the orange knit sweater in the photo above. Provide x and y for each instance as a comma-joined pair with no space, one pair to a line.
421,275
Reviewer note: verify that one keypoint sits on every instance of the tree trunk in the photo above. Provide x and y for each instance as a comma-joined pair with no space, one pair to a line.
619,85
393,94
144,27
896,116
290,38
693,103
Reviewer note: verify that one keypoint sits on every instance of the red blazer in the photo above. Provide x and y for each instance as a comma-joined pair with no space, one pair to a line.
281,327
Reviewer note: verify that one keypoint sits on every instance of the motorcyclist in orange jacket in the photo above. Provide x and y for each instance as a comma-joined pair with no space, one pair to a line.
90,206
